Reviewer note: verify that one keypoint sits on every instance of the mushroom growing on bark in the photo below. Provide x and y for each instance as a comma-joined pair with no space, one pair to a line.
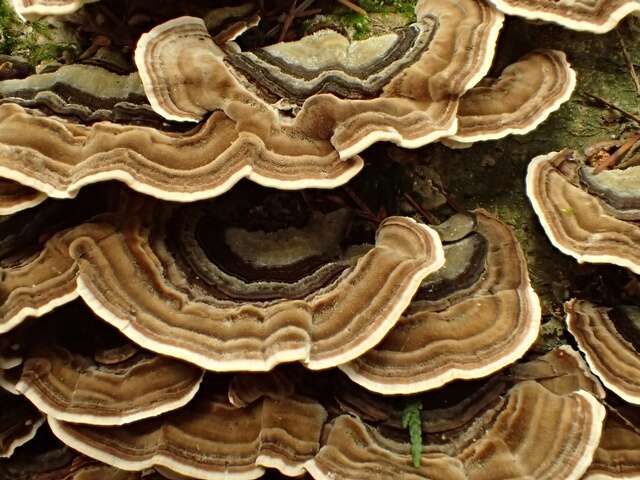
610,341
210,438
595,218
34,9
401,87
203,285
524,95
473,317
76,368
542,420
597,16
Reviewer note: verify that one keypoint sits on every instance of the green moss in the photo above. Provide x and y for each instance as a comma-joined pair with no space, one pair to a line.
411,419
31,40
404,7
360,24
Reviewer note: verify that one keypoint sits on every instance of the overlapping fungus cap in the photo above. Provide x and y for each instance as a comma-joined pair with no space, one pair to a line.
618,454
542,427
210,438
37,272
59,157
524,95
598,16
72,360
15,197
594,218
252,284
609,339
345,95
473,317
84,94
19,422
34,9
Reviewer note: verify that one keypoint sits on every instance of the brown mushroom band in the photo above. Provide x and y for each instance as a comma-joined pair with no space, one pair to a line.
474,316
599,227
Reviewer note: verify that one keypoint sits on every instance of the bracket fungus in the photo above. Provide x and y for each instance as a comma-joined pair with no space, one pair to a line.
59,157
593,218
210,438
283,293
597,16
34,9
38,274
471,318
524,95
408,94
618,454
15,197
609,339
72,362
546,425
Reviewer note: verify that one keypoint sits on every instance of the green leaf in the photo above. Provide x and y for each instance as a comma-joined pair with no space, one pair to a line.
412,420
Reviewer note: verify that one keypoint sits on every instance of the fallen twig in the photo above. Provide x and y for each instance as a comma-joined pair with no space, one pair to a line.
612,106
627,59
354,7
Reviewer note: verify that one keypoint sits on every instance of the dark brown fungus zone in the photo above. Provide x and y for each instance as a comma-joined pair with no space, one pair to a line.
78,369
84,94
226,291
473,317
610,341
541,420
598,16
595,218
329,93
210,438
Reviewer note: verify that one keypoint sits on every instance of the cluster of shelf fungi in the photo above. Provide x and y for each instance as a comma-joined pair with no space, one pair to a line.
179,323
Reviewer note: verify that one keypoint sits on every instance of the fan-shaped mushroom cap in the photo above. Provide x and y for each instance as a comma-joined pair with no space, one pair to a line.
608,338
581,224
618,454
15,197
532,433
209,438
177,280
85,92
598,16
19,422
408,96
34,9
524,95
37,272
58,157
471,318
73,363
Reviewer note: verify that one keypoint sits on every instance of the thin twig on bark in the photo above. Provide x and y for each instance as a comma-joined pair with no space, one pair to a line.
427,215
354,7
612,106
627,59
